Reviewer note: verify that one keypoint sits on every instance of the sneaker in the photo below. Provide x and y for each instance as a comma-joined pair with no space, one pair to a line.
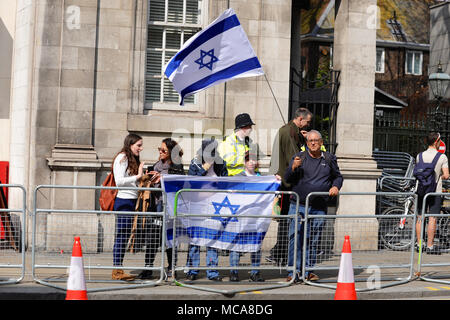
234,277
216,278
312,277
417,248
433,250
256,277
191,276
145,275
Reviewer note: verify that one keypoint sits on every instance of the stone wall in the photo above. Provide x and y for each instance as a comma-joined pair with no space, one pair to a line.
79,86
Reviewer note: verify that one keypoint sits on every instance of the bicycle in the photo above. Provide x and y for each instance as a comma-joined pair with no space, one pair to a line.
396,233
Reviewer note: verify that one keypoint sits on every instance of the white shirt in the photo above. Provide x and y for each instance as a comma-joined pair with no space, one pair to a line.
428,157
123,179
211,172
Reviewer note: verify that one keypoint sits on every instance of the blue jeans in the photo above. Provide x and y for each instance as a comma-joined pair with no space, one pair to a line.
212,260
254,256
315,226
124,224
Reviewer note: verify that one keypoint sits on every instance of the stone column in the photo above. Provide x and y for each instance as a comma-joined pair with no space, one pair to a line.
355,57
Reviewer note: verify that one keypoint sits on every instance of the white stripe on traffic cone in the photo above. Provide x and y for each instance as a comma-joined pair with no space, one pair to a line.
345,289
76,284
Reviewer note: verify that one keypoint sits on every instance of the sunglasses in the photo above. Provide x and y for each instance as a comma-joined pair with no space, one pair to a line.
163,150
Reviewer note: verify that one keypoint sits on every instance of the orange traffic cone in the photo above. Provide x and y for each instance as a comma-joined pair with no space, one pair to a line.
345,289
76,285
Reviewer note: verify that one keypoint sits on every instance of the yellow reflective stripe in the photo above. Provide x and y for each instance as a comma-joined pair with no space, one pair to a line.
322,147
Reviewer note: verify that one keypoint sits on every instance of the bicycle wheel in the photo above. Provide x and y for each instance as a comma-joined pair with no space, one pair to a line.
394,234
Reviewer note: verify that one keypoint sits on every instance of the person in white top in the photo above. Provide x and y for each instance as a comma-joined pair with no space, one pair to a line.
128,170
434,203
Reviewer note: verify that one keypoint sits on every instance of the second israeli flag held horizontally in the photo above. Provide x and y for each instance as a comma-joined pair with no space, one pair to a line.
232,221
218,53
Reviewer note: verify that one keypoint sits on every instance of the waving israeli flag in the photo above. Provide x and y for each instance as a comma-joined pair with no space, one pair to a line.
233,221
218,53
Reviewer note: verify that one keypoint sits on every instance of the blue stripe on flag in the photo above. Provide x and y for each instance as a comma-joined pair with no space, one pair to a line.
245,238
209,33
227,73
176,185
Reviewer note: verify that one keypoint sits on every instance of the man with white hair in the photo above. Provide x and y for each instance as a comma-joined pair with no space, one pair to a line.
312,170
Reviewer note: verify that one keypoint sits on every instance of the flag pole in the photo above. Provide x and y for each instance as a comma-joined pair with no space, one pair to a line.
279,109
276,101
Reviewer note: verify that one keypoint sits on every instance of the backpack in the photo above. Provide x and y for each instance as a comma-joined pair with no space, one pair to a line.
108,196
424,173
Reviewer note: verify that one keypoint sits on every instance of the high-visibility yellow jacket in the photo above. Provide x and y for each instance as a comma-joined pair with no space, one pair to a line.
233,150
322,148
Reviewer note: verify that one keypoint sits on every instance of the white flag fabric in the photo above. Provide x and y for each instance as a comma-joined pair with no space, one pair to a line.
218,53
234,231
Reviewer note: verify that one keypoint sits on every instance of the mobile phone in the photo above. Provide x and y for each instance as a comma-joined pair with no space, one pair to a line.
149,169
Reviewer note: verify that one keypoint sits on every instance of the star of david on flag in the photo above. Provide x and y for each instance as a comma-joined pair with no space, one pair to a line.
218,53
235,221
203,55
225,204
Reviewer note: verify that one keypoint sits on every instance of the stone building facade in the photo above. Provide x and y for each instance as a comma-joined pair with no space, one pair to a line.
81,84
84,76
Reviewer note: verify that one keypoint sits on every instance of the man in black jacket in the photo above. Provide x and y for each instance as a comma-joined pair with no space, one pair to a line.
313,170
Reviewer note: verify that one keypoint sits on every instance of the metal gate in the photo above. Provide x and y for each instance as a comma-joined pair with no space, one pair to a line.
435,267
12,250
375,265
243,263
405,133
53,231
321,98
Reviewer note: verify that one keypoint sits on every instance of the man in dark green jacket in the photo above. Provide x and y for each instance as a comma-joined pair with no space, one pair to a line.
289,140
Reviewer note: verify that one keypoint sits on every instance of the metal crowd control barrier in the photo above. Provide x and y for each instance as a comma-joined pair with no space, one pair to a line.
326,235
52,247
12,254
237,287
440,263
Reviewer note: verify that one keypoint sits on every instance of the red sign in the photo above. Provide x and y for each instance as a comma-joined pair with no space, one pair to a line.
441,148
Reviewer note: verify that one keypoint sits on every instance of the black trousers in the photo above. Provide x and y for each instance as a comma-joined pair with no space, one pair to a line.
153,241
280,249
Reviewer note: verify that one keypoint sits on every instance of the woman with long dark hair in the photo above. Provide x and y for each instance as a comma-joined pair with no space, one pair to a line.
169,162
128,170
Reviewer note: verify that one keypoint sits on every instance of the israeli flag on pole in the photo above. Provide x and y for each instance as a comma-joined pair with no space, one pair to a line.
223,223
218,53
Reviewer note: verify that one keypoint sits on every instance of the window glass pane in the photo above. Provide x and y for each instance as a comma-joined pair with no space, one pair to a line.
173,39
155,37
156,10
192,11
188,34
154,62
164,41
170,95
380,62
152,89
175,13
409,62
168,56
189,99
417,67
